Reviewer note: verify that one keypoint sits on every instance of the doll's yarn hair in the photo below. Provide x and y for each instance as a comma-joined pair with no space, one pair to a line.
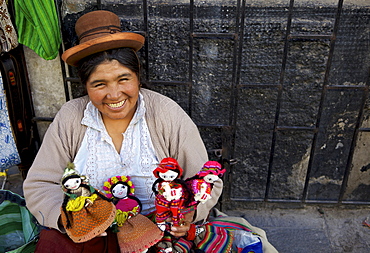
70,172
113,181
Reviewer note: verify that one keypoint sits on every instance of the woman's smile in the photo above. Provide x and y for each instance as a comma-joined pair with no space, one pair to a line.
116,105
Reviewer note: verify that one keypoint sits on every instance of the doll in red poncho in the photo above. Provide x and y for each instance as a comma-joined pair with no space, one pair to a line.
172,195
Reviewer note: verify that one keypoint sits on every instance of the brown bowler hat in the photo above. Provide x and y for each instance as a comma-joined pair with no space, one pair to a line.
98,31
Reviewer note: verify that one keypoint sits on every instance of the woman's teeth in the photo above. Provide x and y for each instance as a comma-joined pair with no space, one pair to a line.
116,105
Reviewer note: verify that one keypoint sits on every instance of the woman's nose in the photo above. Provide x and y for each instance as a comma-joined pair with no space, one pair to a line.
114,92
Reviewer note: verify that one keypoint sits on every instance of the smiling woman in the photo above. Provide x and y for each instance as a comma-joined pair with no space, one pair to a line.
118,129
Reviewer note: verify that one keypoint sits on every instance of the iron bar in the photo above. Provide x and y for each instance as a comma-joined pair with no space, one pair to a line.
299,37
62,63
365,129
228,133
191,50
212,125
339,87
258,85
279,97
353,146
323,94
146,43
37,119
229,36
72,79
299,128
169,83
354,139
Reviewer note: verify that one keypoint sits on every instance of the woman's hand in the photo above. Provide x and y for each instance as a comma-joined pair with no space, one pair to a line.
182,230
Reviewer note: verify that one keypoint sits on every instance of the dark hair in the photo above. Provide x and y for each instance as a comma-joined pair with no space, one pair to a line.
70,177
177,170
126,56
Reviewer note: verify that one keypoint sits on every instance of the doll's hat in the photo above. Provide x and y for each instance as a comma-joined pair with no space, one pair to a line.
117,179
211,167
167,164
98,31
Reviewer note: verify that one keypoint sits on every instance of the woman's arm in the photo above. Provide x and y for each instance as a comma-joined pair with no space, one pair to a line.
42,189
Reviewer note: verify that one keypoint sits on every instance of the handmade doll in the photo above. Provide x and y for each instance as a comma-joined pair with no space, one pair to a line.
85,212
171,192
201,184
121,190
135,232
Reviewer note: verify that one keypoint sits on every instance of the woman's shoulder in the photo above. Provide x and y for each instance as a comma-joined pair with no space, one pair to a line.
153,95
156,101
74,107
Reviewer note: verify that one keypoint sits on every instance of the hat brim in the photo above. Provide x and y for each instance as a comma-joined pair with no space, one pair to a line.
116,40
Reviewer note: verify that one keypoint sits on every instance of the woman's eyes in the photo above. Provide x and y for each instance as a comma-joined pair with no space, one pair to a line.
98,85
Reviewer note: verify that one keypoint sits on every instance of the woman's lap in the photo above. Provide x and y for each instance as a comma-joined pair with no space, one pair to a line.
53,241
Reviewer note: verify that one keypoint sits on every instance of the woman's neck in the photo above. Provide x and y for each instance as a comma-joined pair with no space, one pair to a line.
115,129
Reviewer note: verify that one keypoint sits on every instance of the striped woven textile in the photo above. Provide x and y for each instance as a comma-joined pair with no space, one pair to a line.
38,26
214,240
17,228
229,224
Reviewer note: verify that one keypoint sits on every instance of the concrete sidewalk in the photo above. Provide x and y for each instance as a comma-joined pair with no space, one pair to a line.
312,228
292,230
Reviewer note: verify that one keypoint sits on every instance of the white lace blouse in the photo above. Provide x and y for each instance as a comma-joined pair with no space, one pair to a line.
98,159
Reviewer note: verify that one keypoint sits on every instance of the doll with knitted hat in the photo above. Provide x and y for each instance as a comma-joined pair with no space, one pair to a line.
201,184
172,195
85,212
135,232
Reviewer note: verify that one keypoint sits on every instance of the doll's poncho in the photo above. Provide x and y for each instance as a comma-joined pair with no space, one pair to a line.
89,221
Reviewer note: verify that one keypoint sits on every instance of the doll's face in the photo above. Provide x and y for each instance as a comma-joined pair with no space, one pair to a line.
72,183
120,191
211,178
169,175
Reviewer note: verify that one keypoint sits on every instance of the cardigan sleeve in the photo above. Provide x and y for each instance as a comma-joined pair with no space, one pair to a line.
175,135
42,189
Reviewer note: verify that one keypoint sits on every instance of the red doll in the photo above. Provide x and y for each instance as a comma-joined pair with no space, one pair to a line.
171,192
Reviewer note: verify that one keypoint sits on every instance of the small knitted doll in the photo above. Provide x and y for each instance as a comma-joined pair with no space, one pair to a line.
121,190
201,184
85,213
135,232
171,193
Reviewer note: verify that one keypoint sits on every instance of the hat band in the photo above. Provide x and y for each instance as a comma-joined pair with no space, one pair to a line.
98,30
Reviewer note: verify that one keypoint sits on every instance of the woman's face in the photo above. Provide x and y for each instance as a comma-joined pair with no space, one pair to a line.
114,90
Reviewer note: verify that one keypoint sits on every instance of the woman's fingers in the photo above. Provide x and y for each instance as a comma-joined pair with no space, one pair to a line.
184,227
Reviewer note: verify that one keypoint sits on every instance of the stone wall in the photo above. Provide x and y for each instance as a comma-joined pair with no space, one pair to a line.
280,109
